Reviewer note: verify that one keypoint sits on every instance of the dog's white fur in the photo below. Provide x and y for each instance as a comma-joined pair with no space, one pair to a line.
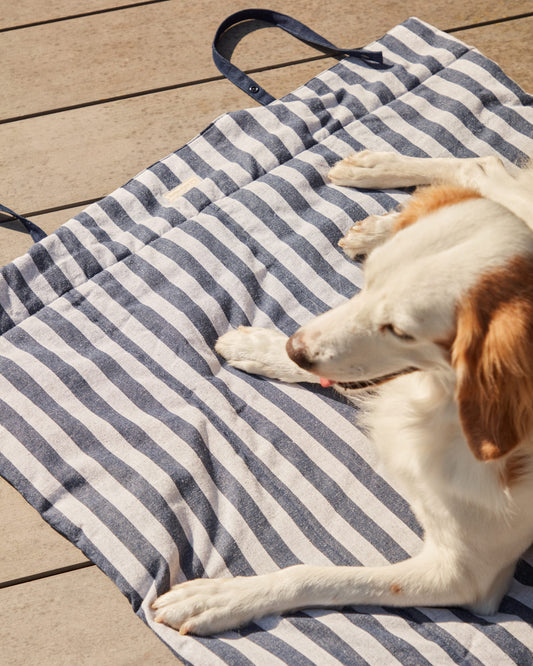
448,301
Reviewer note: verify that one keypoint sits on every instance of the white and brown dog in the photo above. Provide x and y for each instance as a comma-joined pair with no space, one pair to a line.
442,334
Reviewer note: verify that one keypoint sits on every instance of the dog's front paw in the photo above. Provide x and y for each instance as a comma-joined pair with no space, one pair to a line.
254,350
367,169
209,606
261,351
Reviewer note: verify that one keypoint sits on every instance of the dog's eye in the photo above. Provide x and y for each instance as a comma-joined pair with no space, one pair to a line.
401,335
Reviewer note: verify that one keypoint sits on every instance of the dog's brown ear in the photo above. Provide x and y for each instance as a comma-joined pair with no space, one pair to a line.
493,358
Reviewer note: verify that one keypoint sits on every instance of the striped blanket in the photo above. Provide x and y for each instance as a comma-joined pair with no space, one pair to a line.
123,428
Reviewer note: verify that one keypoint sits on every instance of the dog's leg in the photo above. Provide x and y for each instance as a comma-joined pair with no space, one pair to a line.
380,170
206,606
261,351
486,175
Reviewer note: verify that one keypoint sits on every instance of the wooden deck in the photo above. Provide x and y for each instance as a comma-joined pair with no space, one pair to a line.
92,92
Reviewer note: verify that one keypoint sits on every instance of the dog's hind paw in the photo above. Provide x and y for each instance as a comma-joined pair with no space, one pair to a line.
369,170
367,234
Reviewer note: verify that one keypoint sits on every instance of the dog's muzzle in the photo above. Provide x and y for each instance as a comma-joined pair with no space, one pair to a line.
299,353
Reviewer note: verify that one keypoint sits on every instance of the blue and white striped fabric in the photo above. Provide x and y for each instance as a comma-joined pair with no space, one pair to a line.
123,428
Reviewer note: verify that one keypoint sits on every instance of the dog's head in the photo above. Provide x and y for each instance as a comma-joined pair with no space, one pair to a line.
450,294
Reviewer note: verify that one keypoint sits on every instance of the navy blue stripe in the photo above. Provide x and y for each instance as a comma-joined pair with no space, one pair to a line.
275,645
494,70
225,651
66,527
169,179
299,244
145,402
72,481
433,39
445,137
265,476
498,634
101,237
247,277
399,648
401,49
328,487
524,573
490,102
326,638
250,127
350,460
138,439
512,606
436,633
196,163
15,280
230,152
118,214
6,323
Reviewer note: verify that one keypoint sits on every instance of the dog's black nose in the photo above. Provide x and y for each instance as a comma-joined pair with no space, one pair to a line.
297,352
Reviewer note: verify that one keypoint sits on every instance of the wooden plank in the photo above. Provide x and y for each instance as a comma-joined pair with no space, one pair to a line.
75,618
86,153
34,549
15,241
24,12
144,48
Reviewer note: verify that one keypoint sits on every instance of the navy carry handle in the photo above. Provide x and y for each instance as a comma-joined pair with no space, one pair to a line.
35,232
293,27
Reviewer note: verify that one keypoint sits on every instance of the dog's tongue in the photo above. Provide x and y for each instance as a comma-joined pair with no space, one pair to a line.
326,382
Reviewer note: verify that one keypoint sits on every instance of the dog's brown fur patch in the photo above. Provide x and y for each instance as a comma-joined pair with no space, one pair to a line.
427,200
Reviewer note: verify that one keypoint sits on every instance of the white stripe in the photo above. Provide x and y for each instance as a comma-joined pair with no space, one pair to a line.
479,644
419,45
427,648
76,512
285,255
369,647
352,486
101,480
158,431
217,160
289,632
10,302
264,449
248,143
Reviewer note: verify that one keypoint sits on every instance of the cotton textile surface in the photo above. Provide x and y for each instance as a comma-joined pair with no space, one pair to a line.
134,440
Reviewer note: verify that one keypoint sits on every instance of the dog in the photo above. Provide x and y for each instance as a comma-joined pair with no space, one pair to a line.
439,347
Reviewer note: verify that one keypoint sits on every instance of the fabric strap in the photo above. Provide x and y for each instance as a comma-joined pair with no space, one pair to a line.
35,232
293,27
